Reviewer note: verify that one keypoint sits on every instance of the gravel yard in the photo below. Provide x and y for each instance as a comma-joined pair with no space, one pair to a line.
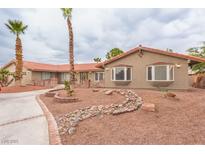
180,121
87,98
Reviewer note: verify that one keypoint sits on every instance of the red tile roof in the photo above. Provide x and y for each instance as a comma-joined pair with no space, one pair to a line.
61,67
152,50
34,66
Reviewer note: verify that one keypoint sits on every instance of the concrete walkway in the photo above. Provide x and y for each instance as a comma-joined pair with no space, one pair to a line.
22,120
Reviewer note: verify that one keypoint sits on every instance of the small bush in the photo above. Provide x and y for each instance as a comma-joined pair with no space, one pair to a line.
4,77
68,88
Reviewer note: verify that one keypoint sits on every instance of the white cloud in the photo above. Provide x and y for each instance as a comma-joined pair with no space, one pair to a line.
96,31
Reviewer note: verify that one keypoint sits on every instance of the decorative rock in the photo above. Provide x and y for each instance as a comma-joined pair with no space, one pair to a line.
170,95
109,92
86,115
71,130
69,121
148,107
100,107
104,90
122,93
119,111
73,123
94,108
95,90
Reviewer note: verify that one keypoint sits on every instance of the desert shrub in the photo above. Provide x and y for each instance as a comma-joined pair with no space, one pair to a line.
68,88
4,77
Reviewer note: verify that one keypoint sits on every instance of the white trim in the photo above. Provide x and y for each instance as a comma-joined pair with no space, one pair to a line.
167,72
125,73
153,73
173,72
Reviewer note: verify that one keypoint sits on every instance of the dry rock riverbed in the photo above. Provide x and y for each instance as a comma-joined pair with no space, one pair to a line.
68,122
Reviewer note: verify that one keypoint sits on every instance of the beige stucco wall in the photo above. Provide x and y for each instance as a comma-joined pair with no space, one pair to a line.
139,71
26,78
36,75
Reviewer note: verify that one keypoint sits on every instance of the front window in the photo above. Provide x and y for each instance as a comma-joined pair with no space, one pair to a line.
121,74
160,73
45,75
128,73
99,76
149,72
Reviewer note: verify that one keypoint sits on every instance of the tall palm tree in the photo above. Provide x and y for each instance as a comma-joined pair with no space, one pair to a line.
17,27
67,13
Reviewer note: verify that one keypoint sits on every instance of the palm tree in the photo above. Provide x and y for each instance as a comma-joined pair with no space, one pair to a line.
97,59
17,27
67,13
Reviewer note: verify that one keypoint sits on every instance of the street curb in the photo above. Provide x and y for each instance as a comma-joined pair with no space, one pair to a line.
54,137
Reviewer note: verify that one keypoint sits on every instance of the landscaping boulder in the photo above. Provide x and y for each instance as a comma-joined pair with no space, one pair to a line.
148,107
169,94
109,92
104,90
95,90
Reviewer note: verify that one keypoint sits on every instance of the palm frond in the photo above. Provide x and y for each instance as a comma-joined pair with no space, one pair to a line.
67,12
15,26
24,28
199,68
10,28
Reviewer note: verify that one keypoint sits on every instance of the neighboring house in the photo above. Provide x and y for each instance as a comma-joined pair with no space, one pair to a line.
144,67
141,67
49,74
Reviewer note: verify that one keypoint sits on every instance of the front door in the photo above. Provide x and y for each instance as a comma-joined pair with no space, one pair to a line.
83,77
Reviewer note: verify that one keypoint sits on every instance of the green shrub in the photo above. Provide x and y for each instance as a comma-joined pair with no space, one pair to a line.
4,77
68,88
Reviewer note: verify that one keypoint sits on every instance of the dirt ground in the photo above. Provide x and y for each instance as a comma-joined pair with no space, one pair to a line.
15,89
180,121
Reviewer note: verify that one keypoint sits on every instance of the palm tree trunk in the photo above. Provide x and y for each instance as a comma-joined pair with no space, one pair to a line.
71,54
19,61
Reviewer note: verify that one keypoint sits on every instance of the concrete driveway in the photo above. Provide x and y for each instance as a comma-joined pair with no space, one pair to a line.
22,120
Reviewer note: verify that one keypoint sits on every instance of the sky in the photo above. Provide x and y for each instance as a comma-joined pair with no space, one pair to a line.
97,31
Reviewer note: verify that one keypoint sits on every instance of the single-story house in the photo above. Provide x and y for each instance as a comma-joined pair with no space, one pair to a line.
49,74
140,67
144,67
